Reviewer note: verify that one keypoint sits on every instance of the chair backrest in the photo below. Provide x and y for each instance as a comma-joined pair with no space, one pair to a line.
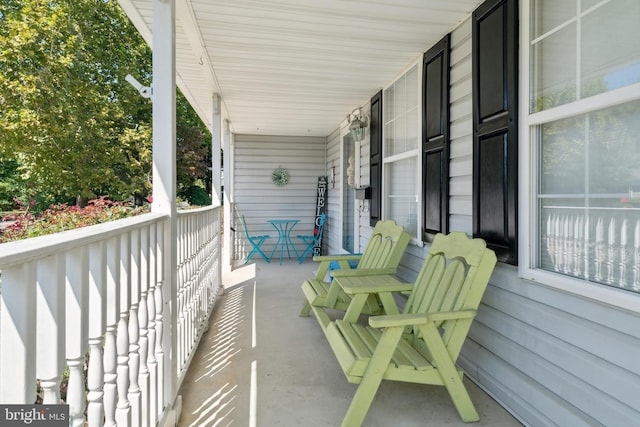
385,248
453,277
246,230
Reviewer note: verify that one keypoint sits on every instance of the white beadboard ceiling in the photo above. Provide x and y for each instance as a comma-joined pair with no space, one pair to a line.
296,67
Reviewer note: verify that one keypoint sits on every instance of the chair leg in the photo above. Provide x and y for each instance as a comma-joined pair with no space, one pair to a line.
372,378
257,248
263,255
449,374
304,254
306,309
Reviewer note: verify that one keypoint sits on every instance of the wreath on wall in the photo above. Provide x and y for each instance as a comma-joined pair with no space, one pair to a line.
280,176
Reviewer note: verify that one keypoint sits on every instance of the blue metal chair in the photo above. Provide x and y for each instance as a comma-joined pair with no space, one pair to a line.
312,241
256,242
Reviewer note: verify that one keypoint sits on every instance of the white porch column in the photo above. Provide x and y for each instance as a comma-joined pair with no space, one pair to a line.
228,198
164,177
216,144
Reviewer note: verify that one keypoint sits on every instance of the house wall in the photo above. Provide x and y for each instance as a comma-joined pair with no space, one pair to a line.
550,357
255,196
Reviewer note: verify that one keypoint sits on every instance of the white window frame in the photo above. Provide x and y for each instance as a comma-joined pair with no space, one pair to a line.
415,153
527,164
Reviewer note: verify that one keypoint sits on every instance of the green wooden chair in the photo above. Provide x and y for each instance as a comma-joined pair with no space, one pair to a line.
422,344
381,256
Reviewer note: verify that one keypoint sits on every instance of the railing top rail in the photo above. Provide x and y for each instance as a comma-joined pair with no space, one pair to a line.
21,251
187,212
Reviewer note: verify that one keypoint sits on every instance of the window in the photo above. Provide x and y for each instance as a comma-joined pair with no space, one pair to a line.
401,155
584,110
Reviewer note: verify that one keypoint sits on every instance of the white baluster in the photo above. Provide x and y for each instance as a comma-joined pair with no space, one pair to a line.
123,408
97,304
77,312
611,250
586,243
110,376
50,360
159,300
134,367
546,237
599,256
151,326
134,330
112,318
636,256
578,246
188,307
143,320
623,254
18,335
159,351
557,243
567,244
180,318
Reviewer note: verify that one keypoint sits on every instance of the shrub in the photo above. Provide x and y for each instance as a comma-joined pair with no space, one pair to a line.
196,195
64,217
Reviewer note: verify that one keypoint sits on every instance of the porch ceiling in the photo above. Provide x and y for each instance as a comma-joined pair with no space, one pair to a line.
296,67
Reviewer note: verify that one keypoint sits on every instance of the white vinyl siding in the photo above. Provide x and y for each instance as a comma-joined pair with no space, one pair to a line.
461,131
255,196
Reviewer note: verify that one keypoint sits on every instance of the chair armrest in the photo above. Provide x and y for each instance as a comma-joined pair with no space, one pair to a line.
451,315
322,258
418,319
371,284
359,272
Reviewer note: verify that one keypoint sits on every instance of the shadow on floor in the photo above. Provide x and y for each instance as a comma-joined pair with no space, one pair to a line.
262,365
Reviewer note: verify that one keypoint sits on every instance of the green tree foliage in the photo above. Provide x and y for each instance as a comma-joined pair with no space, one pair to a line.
66,111
193,155
193,152
62,67
10,183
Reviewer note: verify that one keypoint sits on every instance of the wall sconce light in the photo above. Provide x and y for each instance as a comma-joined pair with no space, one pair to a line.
358,122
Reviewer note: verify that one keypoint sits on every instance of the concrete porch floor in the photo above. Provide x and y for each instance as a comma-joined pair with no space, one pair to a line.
262,365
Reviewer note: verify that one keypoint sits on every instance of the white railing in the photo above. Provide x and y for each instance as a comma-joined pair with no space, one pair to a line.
239,242
94,302
601,245
199,277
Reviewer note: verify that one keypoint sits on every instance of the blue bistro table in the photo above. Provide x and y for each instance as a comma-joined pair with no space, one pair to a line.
284,227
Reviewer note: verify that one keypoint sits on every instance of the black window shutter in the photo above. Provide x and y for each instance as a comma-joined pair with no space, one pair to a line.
435,140
495,132
375,161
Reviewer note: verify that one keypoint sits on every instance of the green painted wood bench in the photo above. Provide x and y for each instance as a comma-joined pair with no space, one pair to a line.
421,344
381,256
